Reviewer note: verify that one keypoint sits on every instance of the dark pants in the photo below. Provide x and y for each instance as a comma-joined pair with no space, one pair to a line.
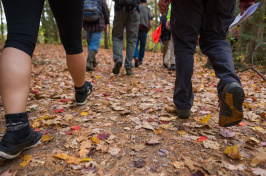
210,19
23,20
140,50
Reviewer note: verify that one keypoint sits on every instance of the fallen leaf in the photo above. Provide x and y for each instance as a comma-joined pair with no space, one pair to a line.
95,140
258,159
257,128
61,156
205,119
181,132
85,144
84,113
154,140
210,144
9,173
103,136
83,152
158,131
146,125
259,171
189,163
202,138
140,164
234,152
138,147
36,124
86,160
114,150
227,134
68,117
198,173
73,160
59,110
177,164
169,109
76,127
242,124
46,138
26,160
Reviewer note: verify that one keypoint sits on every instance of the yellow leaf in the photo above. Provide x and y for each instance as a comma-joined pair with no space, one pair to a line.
158,131
205,119
73,160
62,156
86,160
233,152
257,128
26,159
213,74
46,138
84,113
181,132
97,77
36,124
83,152
95,140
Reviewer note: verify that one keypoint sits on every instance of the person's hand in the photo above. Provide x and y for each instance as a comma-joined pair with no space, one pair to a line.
244,5
163,6
167,25
105,28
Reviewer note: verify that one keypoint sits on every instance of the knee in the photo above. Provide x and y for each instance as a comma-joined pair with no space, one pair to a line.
73,47
21,41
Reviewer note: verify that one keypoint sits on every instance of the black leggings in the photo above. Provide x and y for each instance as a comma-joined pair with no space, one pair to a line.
23,20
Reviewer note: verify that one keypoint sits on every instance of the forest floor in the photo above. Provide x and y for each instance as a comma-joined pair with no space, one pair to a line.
129,126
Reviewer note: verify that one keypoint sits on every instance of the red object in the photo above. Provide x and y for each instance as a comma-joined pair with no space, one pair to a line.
242,124
59,111
75,127
202,138
156,34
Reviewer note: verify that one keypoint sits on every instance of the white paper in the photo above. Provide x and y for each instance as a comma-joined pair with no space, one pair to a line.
246,14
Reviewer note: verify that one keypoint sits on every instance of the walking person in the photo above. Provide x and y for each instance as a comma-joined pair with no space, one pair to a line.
94,29
126,16
210,19
144,27
23,19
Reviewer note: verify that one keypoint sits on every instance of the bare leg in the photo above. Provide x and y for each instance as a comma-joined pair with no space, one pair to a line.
15,75
77,67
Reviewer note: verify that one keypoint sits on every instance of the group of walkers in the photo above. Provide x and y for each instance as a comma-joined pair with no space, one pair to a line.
209,18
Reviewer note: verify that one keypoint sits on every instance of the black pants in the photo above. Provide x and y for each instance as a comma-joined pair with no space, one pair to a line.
210,19
23,20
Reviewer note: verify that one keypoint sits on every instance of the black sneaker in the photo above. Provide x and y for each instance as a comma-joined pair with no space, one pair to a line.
129,71
81,98
231,99
165,65
182,114
118,65
95,63
172,67
11,146
136,62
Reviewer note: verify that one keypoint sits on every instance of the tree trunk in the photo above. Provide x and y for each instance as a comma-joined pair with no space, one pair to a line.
106,40
2,24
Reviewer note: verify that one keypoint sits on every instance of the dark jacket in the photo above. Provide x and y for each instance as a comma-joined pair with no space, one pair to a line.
165,33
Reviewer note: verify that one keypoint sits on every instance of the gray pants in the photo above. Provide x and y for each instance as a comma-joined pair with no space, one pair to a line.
168,52
210,19
130,20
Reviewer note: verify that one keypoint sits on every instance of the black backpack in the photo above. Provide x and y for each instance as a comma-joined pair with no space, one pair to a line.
127,4
92,11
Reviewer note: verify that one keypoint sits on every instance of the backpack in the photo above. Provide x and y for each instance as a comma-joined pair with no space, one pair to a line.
127,4
92,11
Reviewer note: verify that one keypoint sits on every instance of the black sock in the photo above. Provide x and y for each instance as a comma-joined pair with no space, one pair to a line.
80,90
18,124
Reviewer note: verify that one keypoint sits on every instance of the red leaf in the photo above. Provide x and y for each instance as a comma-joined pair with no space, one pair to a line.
70,132
105,94
103,136
202,138
59,110
76,127
35,91
242,124
64,100
159,90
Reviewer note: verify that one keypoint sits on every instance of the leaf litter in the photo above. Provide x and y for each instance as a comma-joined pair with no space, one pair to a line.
132,118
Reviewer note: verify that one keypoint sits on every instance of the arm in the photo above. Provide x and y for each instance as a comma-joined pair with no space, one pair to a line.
167,25
150,25
244,4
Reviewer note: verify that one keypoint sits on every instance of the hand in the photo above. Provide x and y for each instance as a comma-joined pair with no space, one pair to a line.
105,28
167,25
244,5
163,6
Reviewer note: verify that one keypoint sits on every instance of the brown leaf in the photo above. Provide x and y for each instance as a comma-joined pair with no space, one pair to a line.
26,160
138,147
154,140
189,163
83,152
